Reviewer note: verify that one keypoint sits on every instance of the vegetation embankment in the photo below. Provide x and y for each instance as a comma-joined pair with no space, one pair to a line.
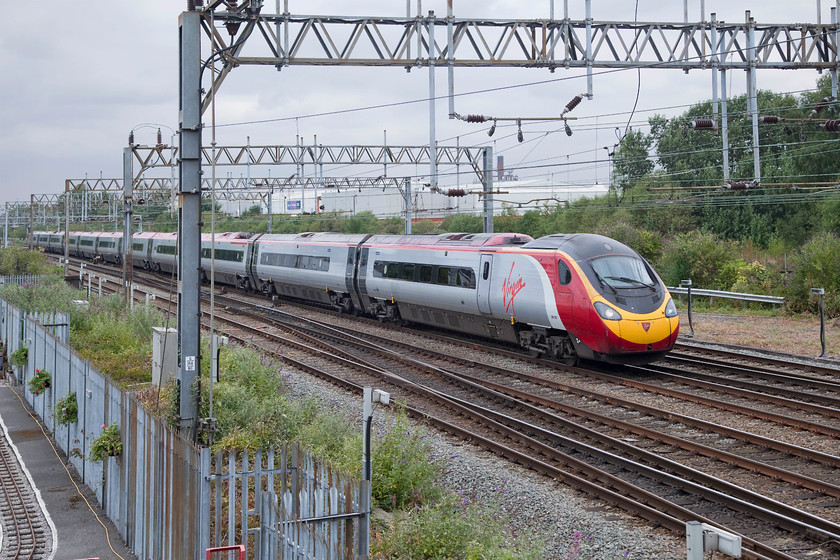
250,403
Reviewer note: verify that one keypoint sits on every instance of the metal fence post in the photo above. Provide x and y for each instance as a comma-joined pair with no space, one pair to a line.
821,292
687,284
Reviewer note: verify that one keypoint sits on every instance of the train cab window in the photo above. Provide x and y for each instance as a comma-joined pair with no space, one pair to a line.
564,275
443,276
425,275
392,270
407,272
485,273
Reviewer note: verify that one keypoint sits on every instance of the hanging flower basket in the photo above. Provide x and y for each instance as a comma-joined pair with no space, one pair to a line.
40,382
19,357
108,443
67,410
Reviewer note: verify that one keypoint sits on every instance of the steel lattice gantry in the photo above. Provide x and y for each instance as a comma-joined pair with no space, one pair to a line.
282,39
151,157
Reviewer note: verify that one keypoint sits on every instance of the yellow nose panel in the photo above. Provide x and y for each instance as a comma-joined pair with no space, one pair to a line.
642,329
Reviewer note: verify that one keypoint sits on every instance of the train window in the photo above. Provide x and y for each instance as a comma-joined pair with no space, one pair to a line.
564,275
325,264
392,270
466,278
89,243
407,272
443,275
425,275
378,269
165,249
622,271
486,272
106,244
137,246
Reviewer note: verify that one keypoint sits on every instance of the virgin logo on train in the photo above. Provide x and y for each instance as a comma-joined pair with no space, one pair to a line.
510,289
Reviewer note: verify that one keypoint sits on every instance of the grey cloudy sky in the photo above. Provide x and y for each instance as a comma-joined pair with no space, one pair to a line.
78,76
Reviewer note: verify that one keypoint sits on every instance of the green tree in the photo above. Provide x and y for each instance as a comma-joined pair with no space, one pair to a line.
631,160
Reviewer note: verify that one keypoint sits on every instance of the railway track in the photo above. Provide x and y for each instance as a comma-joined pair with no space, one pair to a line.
571,425
628,475
25,535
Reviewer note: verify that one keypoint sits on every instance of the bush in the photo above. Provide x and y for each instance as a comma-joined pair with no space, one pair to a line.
701,257
404,471
453,528
51,293
108,443
117,341
816,265
66,410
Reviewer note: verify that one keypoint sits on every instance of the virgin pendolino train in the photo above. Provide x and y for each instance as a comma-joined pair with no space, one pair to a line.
564,296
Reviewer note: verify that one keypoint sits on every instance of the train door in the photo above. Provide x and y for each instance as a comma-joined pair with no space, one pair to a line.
484,276
564,289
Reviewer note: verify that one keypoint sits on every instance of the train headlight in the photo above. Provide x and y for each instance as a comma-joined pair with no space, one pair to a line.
670,309
606,312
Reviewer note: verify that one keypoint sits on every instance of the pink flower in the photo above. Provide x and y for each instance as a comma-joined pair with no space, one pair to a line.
103,426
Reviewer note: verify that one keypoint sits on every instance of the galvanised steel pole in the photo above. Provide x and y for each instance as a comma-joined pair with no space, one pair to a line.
752,93
189,218
432,141
487,182
128,199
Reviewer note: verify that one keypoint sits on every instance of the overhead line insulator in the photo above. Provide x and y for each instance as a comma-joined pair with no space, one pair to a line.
822,104
833,125
476,118
769,119
703,124
572,104
456,192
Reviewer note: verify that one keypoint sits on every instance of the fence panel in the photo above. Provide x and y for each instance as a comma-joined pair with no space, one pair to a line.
79,446
162,491
94,471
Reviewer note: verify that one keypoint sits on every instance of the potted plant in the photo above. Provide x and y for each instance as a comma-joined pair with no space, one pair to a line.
19,357
40,382
108,443
67,409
